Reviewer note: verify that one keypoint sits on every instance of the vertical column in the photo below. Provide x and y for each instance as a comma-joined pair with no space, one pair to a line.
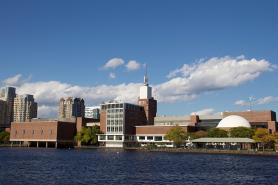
37,144
56,144
46,144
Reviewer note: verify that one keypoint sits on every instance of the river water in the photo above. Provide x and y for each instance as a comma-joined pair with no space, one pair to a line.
32,166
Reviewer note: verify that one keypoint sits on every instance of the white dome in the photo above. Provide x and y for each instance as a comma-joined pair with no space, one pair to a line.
233,121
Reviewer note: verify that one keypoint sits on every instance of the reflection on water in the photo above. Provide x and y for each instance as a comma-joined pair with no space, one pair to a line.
50,166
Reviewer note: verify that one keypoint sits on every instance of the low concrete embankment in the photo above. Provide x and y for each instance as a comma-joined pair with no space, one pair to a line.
211,151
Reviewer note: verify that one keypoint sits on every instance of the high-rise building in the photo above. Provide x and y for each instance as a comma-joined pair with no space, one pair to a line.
70,108
25,108
3,113
8,94
92,112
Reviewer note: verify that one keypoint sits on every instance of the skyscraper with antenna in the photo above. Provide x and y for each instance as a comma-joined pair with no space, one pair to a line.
146,100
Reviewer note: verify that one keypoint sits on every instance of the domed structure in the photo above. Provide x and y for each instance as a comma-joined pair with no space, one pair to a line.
233,121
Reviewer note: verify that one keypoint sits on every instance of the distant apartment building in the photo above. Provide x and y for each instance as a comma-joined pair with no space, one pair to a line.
25,108
71,107
7,95
92,112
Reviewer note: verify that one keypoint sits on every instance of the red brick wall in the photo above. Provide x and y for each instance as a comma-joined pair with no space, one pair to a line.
133,118
42,130
150,107
254,116
103,121
158,129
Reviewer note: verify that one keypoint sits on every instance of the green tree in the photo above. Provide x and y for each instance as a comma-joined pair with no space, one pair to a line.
176,134
4,137
216,132
242,132
199,134
263,137
88,136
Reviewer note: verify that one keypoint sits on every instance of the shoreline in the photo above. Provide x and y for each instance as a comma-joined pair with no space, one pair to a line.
169,150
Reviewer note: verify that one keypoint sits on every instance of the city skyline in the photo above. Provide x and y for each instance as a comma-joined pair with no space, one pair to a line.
198,61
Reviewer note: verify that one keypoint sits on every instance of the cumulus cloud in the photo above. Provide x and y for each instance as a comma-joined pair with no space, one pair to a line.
16,80
207,111
184,84
46,111
259,101
113,63
132,65
213,74
112,75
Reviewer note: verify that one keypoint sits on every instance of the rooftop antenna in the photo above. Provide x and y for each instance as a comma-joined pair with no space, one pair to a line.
251,99
146,75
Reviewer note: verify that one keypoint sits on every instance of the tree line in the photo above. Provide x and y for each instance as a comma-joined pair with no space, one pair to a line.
261,135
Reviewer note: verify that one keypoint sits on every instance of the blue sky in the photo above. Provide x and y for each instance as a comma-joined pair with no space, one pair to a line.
70,41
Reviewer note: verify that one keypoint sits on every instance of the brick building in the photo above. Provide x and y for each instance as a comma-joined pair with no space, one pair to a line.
48,133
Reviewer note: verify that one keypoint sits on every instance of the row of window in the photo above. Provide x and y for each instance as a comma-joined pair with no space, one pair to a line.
115,116
33,132
115,122
110,106
121,105
132,138
151,138
111,137
115,129
115,110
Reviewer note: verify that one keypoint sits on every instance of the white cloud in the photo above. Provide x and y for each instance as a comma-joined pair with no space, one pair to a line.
132,65
213,74
47,94
184,85
260,101
207,111
113,63
242,103
16,80
112,75
46,111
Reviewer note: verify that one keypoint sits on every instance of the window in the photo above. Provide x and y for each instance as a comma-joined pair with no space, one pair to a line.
158,138
141,137
23,131
110,138
119,138
33,132
102,137
149,137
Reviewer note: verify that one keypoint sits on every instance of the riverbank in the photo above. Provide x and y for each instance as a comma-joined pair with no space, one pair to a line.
210,151
183,150
174,150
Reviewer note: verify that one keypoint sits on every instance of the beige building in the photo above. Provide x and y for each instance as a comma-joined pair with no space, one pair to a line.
25,108
71,107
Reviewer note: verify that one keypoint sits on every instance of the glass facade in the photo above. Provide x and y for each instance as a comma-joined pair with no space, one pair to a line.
114,118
